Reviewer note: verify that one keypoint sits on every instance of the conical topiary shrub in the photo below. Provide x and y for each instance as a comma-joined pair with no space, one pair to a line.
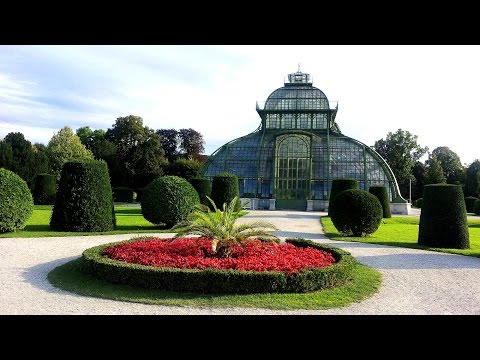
16,203
44,189
381,193
202,185
224,189
469,203
443,220
339,185
84,200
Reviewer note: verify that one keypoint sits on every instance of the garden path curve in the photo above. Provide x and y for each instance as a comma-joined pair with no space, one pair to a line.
415,281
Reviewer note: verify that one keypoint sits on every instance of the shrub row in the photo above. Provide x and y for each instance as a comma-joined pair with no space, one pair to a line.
44,189
476,207
220,281
418,203
470,203
123,194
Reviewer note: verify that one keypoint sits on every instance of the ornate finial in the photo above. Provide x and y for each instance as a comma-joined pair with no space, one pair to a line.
298,67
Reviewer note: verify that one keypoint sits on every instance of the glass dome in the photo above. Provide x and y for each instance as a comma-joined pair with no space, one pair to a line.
297,151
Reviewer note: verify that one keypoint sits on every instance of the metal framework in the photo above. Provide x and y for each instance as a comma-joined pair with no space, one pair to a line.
298,149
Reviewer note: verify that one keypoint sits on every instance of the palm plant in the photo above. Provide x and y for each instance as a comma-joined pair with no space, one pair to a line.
221,228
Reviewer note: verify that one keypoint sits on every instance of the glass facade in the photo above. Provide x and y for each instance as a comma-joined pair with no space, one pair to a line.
298,150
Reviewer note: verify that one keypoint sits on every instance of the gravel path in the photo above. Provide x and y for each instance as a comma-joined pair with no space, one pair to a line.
415,281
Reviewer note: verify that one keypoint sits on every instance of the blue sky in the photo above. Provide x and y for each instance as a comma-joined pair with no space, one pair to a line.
432,91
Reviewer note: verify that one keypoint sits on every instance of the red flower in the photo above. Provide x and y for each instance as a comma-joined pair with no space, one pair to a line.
194,253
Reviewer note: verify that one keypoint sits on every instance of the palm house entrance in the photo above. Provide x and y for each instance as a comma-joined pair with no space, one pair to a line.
292,171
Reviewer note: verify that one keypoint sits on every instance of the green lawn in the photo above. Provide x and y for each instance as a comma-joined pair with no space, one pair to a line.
403,231
365,282
128,220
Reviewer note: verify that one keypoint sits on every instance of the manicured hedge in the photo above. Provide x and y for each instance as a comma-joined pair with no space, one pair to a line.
339,185
16,202
168,200
381,193
84,200
418,203
224,189
220,281
476,207
139,193
469,203
356,212
443,220
123,194
202,185
44,189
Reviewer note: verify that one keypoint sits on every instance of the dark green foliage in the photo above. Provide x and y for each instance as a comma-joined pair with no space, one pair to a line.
451,165
224,189
169,142
184,168
338,185
139,193
191,143
202,185
168,200
469,202
418,203
16,202
221,281
443,220
44,190
84,200
381,193
356,212
123,194
401,151
472,184
476,207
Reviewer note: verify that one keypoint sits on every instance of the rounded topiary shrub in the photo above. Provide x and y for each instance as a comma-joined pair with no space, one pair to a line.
469,202
356,212
418,203
443,220
202,185
123,194
16,202
168,200
339,185
84,200
476,207
44,189
224,189
381,193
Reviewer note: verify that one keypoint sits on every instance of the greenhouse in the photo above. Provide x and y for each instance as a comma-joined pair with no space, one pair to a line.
289,161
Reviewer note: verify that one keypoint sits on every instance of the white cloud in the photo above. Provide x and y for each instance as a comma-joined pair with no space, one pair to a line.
431,91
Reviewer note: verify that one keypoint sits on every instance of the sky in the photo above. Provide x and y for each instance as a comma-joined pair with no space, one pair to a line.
431,91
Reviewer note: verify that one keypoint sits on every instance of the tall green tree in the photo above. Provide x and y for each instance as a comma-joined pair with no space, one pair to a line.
401,151
472,182
435,173
191,143
419,172
65,146
23,156
147,161
42,165
139,151
169,141
6,155
452,166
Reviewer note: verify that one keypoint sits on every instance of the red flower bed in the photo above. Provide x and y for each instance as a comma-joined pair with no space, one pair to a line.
194,253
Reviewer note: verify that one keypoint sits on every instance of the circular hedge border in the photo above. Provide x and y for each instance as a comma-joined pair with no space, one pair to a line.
220,281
